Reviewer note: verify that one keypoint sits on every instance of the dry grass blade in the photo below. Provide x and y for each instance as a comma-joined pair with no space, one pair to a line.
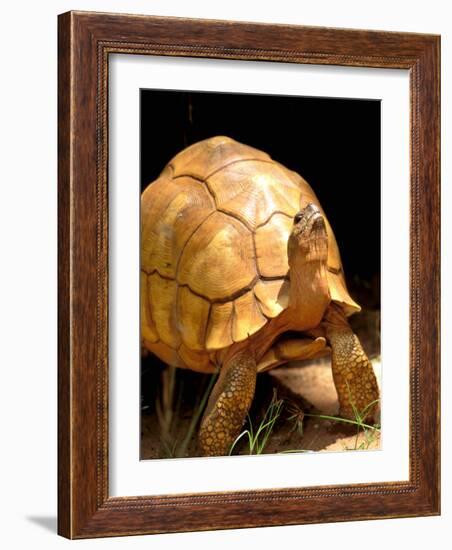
164,407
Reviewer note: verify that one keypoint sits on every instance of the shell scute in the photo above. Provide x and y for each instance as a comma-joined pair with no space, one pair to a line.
218,261
248,318
196,360
219,330
202,159
272,296
271,246
170,214
192,317
253,191
161,296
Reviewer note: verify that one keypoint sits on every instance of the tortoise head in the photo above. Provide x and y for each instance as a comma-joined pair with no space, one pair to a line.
308,240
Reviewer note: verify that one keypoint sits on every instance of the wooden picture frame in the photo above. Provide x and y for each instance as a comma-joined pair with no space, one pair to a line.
85,42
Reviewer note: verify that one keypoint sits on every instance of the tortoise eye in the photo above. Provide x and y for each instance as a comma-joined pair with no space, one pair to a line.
298,217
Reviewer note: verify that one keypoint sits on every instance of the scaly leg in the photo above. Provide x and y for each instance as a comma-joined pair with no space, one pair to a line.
228,405
353,374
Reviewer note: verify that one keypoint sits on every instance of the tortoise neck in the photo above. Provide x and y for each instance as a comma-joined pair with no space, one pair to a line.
304,277
307,259
309,294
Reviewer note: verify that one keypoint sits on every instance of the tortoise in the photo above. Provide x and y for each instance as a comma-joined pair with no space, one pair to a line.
241,272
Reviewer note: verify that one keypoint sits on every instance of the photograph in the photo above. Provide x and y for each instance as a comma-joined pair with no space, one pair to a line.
248,274
225,232
259,274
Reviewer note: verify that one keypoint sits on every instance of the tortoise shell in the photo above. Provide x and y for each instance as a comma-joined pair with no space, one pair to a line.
214,267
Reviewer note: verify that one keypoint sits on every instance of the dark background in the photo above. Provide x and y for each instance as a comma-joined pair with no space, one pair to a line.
333,143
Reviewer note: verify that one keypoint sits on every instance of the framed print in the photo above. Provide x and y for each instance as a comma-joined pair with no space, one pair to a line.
248,275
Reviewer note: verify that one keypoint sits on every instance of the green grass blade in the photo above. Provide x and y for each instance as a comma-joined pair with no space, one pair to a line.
344,420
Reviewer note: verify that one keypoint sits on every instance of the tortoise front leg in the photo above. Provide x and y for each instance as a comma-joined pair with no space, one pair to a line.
228,405
353,374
